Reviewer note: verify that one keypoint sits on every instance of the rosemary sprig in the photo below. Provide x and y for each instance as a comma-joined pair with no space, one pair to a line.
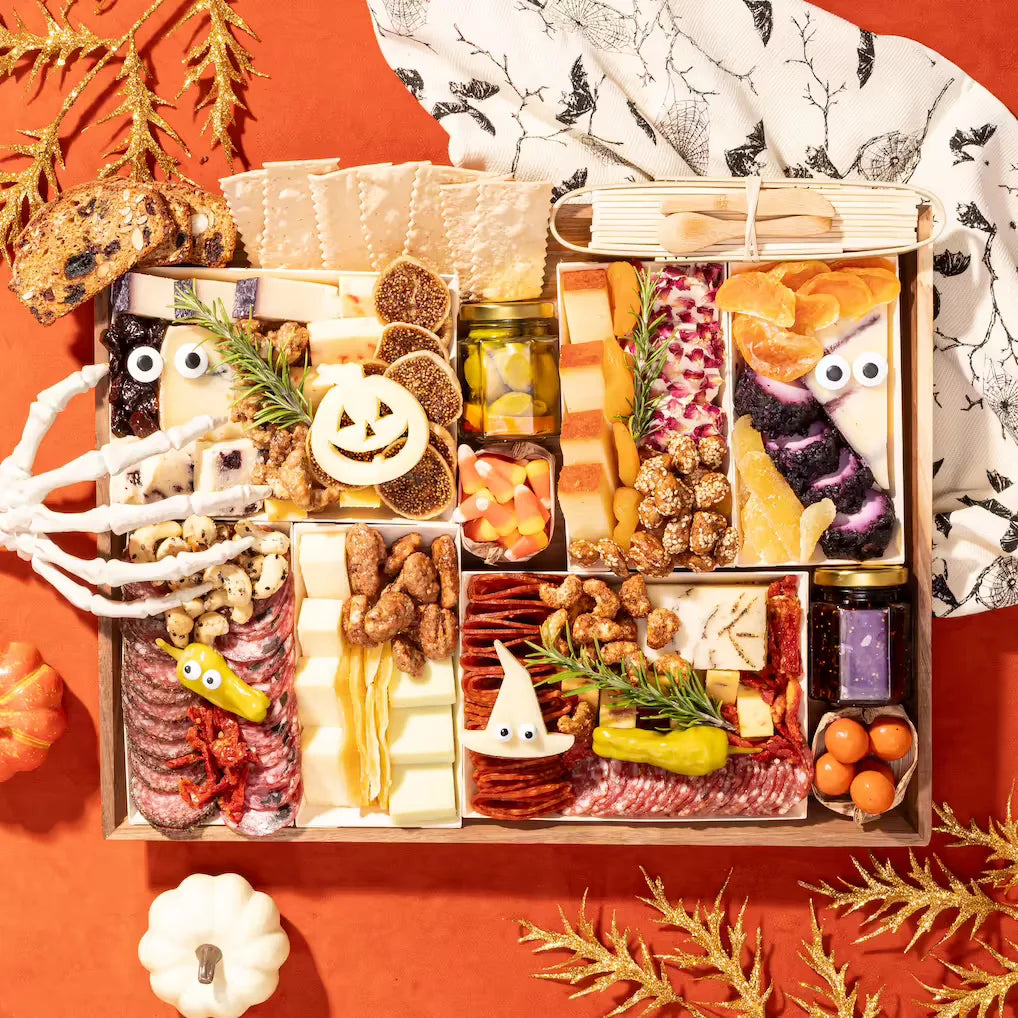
281,400
687,704
649,359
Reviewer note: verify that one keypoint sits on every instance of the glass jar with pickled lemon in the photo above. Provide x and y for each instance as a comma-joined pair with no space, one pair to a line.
509,366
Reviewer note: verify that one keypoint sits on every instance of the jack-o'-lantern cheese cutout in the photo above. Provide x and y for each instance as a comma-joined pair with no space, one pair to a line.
357,420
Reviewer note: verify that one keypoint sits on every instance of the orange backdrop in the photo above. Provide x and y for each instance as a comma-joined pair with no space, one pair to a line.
393,930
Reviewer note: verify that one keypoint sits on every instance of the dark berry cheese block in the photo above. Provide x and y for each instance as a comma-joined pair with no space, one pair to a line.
75,246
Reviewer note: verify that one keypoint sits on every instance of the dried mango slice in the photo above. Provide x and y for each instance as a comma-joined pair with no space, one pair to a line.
775,352
760,545
866,263
815,519
794,274
854,297
760,295
745,438
815,311
884,284
771,504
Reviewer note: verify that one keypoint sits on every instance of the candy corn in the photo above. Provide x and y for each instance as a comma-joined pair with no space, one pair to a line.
473,506
501,517
539,475
526,546
528,511
480,530
470,479
497,475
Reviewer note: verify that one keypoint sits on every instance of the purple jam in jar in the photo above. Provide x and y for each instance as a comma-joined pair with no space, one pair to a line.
861,636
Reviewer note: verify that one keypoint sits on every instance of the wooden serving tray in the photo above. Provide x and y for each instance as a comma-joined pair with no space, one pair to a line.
909,825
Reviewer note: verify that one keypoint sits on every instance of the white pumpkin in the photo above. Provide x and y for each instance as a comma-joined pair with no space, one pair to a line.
214,946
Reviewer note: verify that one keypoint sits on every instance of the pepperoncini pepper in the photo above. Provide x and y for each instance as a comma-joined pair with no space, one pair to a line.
204,671
692,752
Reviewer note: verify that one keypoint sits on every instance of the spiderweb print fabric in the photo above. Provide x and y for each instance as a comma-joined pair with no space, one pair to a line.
602,91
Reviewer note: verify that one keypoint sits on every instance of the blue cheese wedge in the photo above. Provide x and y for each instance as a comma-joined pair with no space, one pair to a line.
222,465
156,477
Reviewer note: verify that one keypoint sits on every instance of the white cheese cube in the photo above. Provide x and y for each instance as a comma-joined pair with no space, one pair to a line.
343,339
318,627
322,557
295,300
223,465
315,688
435,686
421,735
326,781
422,794
156,477
357,296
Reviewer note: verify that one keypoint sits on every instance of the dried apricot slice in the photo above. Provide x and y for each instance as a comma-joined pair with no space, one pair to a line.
794,274
815,311
775,352
816,518
760,295
853,295
884,284
866,263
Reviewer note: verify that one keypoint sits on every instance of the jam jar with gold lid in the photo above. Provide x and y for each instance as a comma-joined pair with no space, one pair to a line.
509,366
861,636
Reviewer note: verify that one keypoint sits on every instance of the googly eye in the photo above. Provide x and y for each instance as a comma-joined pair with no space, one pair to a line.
504,733
869,369
144,364
833,372
191,361
528,733
212,679
192,670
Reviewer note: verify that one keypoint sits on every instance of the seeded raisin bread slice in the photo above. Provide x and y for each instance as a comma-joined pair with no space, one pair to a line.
79,243
213,233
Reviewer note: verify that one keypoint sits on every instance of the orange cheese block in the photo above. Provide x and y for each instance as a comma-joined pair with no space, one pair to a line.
539,476
586,306
585,497
581,376
587,438
624,294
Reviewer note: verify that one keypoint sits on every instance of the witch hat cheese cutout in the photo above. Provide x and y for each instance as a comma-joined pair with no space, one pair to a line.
515,730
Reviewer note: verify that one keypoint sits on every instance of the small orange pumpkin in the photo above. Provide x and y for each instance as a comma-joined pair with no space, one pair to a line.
31,709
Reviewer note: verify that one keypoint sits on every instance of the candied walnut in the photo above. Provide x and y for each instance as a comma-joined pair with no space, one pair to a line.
676,535
355,610
290,339
407,656
695,563
648,513
588,628
710,488
580,724
443,556
705,530
606,601
613,557
400,552
583,553
389,615
634,597
662,625
566,595
650,473
365,553
671,496
322,498
419,579
682,449
647,555
712,449
617,651
554,626
439,631
727,547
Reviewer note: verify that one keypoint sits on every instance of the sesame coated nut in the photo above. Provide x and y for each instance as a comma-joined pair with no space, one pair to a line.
647,555
676,535
706,528
613,556
583,552
727,547
710,489
682,449
712,449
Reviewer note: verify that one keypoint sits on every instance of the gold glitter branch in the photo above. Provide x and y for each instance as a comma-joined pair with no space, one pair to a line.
980,989
602,963
231,64
141,104
722,945
999,840
895,899
841,998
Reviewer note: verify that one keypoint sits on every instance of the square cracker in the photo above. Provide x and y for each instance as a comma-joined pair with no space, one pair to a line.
426,236
336,199
245,194
458,203
290,240
386,197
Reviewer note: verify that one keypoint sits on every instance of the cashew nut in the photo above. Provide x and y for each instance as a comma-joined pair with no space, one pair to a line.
242,613
179,625
223,532
266,542
251,564
275,569
170,546
215,600
199,532
185,581
141,545
194,607
233,580
210,626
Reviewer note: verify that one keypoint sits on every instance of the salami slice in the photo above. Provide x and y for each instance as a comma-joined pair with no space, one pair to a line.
263,823
161,778
167,809
157,749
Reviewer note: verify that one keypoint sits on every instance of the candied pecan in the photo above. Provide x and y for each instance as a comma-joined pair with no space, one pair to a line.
651,471
365,553
712,449
671,496
695,563
676,535
400,552
682,449
407,656
634,597
606,601
647,555
727,547
419,579
389,615
443,555
353,618
439,631
706,528
613,557
583,553
710,488
648,513
566,595
580,724
662,625
617,651
290,339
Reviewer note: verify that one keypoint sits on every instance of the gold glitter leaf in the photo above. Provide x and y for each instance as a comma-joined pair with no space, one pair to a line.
823,964
141,145
722,944
231,65
1000,840
895,899
980,989
602,963
21,192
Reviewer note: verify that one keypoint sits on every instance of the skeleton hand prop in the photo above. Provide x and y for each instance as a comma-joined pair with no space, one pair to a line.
25,521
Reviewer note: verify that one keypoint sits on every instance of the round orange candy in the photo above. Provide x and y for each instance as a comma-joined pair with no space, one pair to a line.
846,740
832,776
775,352
890,738
871,764
872,792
